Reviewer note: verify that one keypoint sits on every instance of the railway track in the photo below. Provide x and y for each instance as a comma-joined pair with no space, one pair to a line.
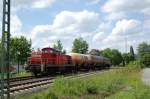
30,85
20,78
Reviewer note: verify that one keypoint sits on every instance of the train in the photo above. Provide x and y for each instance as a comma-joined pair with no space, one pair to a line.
49,60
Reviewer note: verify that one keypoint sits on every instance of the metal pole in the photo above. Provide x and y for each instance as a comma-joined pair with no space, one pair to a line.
2,55
8,54
18,63
5,48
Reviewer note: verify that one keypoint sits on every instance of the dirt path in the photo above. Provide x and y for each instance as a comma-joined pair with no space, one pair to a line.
146,76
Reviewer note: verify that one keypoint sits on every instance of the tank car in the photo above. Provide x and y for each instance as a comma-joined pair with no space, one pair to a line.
89,61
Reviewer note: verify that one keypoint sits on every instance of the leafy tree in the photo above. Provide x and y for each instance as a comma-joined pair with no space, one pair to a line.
95,52
20,49
64,51
80,46
144,53
127,57
132,53
113,54
58,46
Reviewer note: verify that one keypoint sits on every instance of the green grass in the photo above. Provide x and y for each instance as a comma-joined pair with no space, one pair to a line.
116,84
22,74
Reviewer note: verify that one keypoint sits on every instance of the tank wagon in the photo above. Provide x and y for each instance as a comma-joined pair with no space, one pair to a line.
83,61
49,60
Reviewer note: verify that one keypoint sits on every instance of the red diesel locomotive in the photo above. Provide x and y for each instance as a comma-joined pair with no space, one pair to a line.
49,60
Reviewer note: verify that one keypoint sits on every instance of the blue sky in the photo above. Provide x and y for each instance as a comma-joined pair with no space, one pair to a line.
102,23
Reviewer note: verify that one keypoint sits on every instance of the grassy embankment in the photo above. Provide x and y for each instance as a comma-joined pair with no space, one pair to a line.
115,84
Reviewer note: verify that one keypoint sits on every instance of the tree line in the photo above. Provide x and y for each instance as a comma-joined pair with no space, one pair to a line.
117,58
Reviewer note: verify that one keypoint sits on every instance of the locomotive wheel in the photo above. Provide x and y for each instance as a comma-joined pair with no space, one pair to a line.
75,69
35,73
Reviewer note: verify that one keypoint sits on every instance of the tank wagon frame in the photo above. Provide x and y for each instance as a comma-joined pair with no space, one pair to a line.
49,60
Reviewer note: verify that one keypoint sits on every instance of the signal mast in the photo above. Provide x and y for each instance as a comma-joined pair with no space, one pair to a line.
5,61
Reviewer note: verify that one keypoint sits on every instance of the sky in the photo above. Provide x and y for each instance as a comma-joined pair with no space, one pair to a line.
102,23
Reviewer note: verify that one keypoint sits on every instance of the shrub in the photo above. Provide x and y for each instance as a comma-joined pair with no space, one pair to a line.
92,89
50,95
135,65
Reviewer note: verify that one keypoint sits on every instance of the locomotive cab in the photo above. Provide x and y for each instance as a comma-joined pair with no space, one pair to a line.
34,62
48,60
54,61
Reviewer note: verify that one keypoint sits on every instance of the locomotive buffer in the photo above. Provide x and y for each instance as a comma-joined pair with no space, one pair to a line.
4,66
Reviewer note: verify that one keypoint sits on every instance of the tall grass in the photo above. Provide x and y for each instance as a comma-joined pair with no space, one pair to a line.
21,74
117,84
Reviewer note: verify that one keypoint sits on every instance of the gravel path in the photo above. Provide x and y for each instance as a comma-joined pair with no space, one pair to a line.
146,76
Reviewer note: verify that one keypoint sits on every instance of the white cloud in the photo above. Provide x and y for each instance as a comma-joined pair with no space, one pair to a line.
122,29
17,4
42,3
93,1
83,21
130,30
67,22
126,27
115,16
66,26
89,2
37,31
98,37
16,24
125,5
146,24
118,8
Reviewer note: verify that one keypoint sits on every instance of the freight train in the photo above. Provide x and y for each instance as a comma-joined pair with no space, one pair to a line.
49,60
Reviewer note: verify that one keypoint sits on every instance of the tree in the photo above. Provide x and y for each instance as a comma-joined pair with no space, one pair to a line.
64,52
106,52
144,53
58,46
113,54
132,53
127,57
80,46
20,49
95,52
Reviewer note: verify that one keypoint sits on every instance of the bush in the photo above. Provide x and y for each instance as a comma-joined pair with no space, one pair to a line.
92,89
135,65
50,95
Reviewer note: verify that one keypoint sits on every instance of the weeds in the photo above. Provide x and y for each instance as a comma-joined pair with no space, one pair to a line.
116,84
22,74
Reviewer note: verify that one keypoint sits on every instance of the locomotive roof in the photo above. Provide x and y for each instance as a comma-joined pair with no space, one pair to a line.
52,49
